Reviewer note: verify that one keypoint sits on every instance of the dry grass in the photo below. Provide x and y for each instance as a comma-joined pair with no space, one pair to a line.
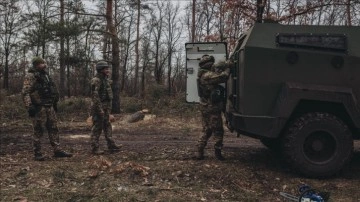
154,164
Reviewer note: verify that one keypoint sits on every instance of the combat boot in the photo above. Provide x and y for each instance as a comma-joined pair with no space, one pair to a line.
97,151
200,154
61,154
39,157
114,148
218,155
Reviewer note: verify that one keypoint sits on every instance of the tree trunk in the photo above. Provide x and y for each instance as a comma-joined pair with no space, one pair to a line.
169,72
169,59
87,52
260,11
348,13
115,58
127,50
193,22
68,83
62,51
6,70
157,66
137,50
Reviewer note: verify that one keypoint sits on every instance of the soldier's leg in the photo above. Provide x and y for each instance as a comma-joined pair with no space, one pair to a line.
96,132
108,133
107,128
51,125
206,134
217,127
38,127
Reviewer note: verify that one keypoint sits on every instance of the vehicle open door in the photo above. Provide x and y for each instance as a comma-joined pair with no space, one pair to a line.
194,51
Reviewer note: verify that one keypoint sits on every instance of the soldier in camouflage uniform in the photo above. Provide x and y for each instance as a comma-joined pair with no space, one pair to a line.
101,104
211,102
40,96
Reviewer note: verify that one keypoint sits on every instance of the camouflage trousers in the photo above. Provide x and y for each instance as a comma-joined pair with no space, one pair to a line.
45,118
101,123
212,124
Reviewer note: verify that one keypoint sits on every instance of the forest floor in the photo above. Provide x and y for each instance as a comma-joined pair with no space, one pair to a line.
155,164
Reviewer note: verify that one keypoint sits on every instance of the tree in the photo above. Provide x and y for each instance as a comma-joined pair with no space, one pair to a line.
127,31
137,47
157,22
9,30
174,27
110,27
62,49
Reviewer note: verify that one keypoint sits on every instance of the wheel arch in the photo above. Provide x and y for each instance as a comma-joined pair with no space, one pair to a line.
296,99
337,109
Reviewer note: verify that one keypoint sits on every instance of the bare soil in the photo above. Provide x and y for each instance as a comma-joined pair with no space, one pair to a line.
155,164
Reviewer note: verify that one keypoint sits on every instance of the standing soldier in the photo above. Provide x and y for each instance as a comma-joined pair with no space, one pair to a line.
40,96
211,102
101,103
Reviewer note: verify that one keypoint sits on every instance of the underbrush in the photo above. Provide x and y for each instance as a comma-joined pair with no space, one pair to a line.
75,107
164,105
12,107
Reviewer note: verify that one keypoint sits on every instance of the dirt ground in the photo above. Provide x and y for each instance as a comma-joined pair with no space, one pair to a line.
154,164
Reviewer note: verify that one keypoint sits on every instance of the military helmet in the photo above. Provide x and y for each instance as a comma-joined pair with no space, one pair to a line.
37,60
206,59
101,65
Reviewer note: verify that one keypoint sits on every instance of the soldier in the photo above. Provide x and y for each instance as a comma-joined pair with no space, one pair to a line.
211,102
101,103
40,96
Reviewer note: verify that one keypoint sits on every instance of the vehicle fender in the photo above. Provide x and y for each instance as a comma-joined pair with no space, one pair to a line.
292,93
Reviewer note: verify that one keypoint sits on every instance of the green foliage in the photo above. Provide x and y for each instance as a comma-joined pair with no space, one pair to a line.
158,102
11,107
74,105
174,105
156,92
131,104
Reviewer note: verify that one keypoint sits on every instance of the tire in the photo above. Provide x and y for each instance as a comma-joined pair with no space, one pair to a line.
318,145
274,145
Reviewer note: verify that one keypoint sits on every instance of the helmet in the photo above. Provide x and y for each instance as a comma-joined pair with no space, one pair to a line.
37,60
206,59
101,65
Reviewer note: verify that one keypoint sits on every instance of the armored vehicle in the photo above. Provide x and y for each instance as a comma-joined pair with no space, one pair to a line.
296,88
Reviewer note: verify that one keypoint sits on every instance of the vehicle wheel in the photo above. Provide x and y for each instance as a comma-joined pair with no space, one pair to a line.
318,144
274,145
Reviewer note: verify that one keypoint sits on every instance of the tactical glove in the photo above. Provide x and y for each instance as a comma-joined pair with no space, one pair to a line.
32,111
55,107
227,71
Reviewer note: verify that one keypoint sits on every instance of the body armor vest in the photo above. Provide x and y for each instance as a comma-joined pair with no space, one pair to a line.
209,93
45,92
203,90
105,92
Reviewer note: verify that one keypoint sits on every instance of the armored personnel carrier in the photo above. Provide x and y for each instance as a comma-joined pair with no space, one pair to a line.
296,88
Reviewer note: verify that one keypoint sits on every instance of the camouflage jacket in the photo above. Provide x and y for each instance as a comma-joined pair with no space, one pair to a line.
39,89
209,80
101,93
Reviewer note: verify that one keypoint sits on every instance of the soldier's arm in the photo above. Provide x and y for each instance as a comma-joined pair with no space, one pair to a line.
110,84
28,88
56,92
215,77
95,87
224,65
